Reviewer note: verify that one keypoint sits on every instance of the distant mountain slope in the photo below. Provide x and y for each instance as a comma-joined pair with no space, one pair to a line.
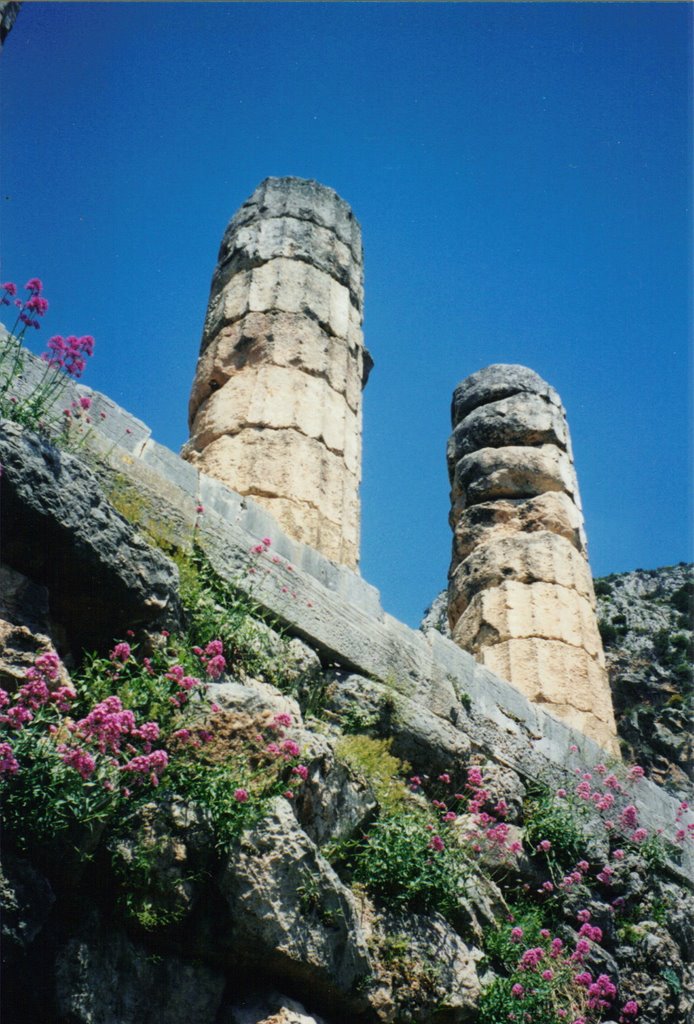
646,618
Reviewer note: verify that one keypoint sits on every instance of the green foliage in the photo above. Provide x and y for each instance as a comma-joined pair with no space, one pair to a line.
682,600
559,821
373,759
498,942
218,610
213,787
397,865
46,799
602,588
608,632
661,643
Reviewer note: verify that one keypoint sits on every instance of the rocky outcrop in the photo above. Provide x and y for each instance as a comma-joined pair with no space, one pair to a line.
646,619
58,529
520,593
275,409
9,10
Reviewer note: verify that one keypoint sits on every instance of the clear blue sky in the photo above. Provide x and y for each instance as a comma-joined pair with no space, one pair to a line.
522,174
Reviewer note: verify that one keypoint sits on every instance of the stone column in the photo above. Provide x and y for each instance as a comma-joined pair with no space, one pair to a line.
520,595
275,409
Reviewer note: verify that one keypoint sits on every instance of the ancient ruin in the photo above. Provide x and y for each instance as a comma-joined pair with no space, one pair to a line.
275,409
520,590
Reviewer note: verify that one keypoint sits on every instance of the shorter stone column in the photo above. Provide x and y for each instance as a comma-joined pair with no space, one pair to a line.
520,595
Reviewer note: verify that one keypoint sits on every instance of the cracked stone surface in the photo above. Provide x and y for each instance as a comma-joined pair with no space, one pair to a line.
520,595
275,408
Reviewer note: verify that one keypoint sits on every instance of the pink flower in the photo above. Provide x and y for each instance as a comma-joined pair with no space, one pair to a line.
199,509
121,652
639,835
85,402
561,793
630,1008
9,287
517,990
635,772
516,934
548,975
544,846
618,855
34,285
548,886
8,762
301,770
290,748
281,721
531,958
288,794
445,778
573,748
266,542
241,795
82,761
437,843
474,777
583,915
148,764
629,817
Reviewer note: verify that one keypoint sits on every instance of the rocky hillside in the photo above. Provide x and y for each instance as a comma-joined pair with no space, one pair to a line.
646,621
207,818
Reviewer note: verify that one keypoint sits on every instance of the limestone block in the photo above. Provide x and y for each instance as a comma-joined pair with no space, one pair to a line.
282,339
337,541
552,672
302,199
517,609
526,419
265,239
278,397
283,284
512,472
500,380
523,558
314,483
491,522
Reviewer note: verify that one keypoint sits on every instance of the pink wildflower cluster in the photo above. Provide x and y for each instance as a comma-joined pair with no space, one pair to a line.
260,549
69,354
38,691
29,309
212,658
177,674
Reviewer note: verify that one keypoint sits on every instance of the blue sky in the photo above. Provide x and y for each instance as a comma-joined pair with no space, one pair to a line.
522,174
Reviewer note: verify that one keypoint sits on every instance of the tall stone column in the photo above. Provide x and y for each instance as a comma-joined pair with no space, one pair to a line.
520,595
275,410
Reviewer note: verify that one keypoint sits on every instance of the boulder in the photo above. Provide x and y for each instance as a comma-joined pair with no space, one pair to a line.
58,529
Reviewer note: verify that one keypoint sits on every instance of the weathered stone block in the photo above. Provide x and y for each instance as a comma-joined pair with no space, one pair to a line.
278,397
492,521
500,380
525,558
512,472
281,339
525,419
517,609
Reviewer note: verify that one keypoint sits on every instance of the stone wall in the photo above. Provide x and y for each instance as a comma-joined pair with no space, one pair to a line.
275,409
520,589
336,611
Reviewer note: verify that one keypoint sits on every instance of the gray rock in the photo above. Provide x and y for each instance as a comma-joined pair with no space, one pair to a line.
422,738
58,529
518,419
103,977
268,1008
431,972
500,380
333,802
23,602
291,915
8,15
26,899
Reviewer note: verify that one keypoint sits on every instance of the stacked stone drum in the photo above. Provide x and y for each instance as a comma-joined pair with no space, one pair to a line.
520,589
275,410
